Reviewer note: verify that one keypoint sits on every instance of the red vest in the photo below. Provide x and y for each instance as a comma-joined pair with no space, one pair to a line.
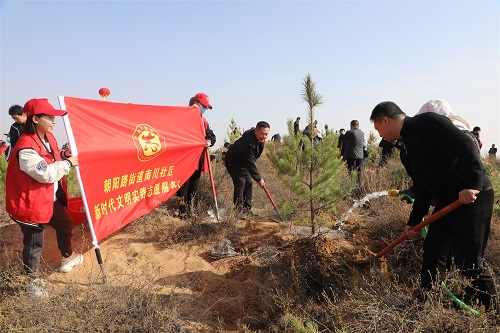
26,199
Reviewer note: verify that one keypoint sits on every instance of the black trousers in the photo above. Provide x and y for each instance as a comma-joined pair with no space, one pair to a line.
242,181
188,191
354,164
33,237
465,231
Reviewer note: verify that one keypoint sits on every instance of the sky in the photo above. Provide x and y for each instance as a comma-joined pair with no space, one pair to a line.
251,57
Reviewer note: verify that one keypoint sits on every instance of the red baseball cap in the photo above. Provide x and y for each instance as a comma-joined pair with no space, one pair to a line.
41,106
203,99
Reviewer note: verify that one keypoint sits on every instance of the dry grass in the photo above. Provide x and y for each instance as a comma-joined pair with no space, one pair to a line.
305,284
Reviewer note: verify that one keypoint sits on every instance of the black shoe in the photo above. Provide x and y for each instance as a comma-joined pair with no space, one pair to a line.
419,295
247,214
252,214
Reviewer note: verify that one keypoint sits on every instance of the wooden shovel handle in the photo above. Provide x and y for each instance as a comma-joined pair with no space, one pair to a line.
454,205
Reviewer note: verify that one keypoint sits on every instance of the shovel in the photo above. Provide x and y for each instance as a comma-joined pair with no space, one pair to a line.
273,203
214,195
454,205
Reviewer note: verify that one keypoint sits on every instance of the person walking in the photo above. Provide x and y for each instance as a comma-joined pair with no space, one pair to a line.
341,143
493,151
353,153
240,163
444,164
36,193
296,126
189,189
276,139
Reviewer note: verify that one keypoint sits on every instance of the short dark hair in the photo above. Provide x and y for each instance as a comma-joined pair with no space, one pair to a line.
477,129
386,109
354,122
262,124
16,110
298,118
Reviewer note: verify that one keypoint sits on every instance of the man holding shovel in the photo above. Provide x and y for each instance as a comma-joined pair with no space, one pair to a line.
443,163
240,163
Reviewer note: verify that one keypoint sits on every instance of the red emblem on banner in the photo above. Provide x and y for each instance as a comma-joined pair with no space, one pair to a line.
149,143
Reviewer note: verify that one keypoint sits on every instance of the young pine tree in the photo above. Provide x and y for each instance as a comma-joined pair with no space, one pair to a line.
311,169
233,132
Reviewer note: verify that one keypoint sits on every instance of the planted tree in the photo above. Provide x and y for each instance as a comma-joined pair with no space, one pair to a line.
311,169
233,131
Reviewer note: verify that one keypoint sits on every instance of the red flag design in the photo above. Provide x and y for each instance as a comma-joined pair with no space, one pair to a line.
132,157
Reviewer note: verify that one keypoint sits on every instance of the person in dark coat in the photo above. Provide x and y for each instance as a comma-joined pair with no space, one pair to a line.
341,143
354,152
493,151
296,126
16,129
444,164
388,149
240,163
476,131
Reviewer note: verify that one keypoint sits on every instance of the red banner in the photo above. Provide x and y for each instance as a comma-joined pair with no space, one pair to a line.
132,157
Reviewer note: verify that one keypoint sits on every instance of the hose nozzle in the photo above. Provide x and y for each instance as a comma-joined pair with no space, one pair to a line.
393,193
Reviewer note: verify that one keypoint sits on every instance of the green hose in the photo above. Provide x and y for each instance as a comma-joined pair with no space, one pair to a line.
455,299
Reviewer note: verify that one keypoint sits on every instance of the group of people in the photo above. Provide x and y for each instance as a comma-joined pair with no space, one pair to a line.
36,194
239,160
442,160
445,165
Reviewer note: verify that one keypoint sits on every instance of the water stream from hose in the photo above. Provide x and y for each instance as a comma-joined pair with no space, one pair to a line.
357,204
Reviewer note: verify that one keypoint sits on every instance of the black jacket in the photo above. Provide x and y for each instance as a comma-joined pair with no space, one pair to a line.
243,153
387,147
441,160
15,132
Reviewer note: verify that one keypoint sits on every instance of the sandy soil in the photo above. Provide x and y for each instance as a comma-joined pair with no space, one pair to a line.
224,292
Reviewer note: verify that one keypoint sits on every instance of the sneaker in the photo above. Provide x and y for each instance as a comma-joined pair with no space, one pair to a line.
36,288
73,260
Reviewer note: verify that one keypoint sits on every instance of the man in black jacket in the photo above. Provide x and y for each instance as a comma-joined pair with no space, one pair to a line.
443,163
388,151
240,163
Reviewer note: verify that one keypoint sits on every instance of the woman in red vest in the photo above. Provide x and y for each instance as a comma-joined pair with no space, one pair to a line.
36,191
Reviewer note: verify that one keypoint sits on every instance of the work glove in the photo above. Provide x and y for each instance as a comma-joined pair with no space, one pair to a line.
406,198
407,195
